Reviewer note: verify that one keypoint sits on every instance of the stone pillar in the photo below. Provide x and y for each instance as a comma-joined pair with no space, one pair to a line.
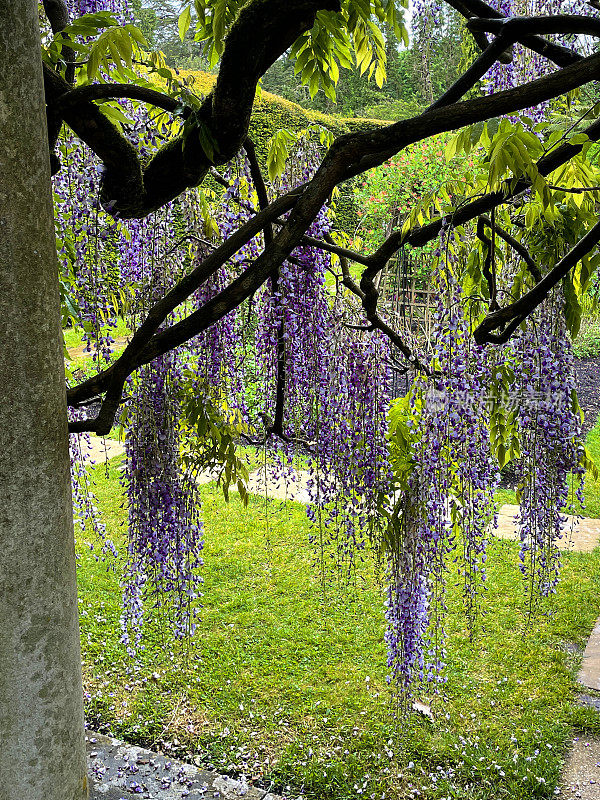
42,755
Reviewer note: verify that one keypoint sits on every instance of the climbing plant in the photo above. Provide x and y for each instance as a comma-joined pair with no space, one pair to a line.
256,320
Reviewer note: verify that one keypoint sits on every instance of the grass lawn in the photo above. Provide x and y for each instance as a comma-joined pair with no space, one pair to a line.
285,680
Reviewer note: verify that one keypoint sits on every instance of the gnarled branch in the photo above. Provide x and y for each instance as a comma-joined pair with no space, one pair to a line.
513,314
263,31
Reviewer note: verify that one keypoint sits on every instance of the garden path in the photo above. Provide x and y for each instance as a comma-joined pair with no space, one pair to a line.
76,353
581,774
578,535
100,449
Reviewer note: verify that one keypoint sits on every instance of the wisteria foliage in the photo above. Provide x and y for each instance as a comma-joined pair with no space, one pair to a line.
413,477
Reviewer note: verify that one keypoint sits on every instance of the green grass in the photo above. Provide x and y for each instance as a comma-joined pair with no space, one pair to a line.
286,681
74,336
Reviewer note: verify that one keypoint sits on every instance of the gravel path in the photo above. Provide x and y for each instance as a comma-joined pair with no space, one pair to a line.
587,375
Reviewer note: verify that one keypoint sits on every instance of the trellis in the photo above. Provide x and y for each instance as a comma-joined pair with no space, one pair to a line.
407,294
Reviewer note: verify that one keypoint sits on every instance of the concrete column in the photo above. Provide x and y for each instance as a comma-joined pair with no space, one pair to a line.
42,754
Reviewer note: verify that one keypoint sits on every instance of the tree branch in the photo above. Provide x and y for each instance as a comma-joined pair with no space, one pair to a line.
331,247
349,155
57,15
560,55
259,185
263,31
113,91
520,27
518,247
516,312
488,260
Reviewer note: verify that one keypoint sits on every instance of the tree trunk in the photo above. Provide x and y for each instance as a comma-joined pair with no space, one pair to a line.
42,755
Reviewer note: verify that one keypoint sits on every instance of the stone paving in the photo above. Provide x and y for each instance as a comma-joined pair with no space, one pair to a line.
581,774
589,673
101,449
579,535
120,771
294,488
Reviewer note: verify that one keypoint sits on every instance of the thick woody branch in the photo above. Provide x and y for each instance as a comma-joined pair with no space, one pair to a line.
524,26
123,171
263,31
516,312
560,55
114,91
57,14
349,155
487,270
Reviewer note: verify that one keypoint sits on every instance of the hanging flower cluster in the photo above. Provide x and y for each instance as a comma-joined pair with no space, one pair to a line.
297,365
550,436
292,361
85,511
448,487
100,255
165,530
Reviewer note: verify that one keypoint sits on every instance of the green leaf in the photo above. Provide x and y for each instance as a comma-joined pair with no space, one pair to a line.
572,307
93,63
278,148
184,22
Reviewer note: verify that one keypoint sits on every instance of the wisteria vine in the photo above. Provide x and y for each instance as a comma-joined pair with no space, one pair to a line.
300,369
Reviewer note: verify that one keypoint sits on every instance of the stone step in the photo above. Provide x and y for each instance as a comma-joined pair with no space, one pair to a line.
120,771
